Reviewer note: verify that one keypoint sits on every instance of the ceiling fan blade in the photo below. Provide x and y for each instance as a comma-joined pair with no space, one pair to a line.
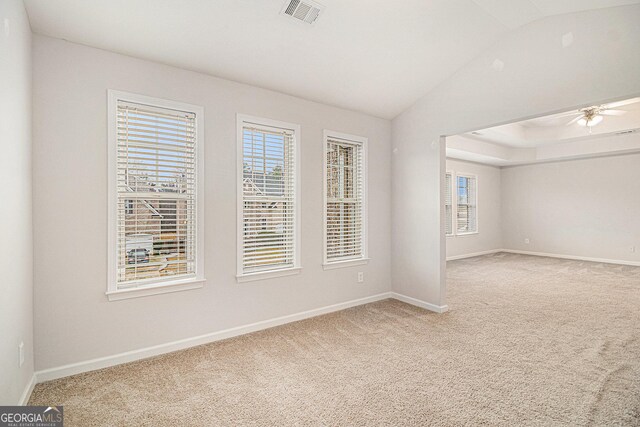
613,112
621,103
574,120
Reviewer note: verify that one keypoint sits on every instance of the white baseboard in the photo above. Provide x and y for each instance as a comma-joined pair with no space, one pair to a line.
463,256
26,394
420,303
574,257
143,353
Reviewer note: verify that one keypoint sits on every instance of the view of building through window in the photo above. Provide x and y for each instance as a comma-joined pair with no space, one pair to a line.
268,199
156,193
343,210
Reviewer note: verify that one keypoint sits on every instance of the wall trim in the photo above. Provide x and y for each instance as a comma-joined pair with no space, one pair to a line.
546,254
26,394
588,156
143,353
420,303
574,257
157,350
471,255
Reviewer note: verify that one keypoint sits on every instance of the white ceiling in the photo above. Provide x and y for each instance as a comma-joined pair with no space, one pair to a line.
561,127
552,137
374,56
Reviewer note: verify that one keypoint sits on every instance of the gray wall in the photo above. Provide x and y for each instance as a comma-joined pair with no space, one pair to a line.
586,208
539,77
489,236
16,251
70,208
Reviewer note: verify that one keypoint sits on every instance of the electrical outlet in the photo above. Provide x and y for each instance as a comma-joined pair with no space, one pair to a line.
632,249
527,241
21,352
360,277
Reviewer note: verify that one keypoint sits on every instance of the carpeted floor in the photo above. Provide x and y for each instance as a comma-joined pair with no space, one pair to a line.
528,341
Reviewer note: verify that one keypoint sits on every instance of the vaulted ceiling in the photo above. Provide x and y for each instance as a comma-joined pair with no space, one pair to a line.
373,56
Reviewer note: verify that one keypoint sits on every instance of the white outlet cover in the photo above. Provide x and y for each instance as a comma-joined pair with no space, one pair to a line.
360,277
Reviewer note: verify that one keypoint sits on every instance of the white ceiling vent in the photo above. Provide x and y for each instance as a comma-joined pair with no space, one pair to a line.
306,11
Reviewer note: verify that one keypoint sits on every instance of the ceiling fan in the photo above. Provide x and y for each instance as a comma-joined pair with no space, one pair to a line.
590,116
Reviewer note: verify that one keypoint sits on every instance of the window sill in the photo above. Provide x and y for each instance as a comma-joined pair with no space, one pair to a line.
344,264
471,233
155,289
270,274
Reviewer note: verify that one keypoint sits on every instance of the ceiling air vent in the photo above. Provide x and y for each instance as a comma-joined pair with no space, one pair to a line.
305,11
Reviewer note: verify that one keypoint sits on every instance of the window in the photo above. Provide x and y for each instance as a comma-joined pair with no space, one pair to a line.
268,208
448,205
464,208
344,200
155,242
128,206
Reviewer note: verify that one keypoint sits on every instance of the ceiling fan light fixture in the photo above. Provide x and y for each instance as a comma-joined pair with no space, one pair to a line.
590,121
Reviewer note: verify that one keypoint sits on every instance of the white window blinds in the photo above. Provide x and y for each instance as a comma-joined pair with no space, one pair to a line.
448,206
156,194
467,211
268,234
344,200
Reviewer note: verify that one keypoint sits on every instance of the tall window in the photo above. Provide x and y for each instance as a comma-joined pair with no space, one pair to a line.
268,198
466,205
448,205
344,202
461,204
154,170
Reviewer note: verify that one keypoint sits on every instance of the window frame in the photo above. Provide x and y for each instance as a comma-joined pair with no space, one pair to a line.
364,143
454,204
241,276
163,285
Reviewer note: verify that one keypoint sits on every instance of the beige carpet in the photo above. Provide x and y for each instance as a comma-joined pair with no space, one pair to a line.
528,341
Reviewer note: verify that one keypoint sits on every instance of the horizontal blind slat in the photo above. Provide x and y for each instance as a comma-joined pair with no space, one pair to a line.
268,196
156,173
344,199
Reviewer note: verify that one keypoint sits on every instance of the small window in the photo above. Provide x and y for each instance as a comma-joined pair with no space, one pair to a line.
155,187
461,204
129,206
448,206
267,198
466,209
344,201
